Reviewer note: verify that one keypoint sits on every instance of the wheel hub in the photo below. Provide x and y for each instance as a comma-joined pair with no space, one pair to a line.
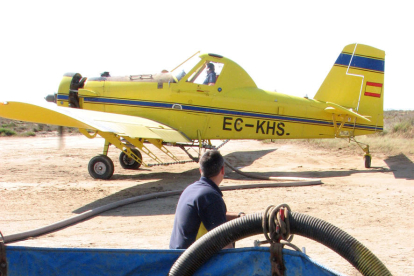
128,160
99,168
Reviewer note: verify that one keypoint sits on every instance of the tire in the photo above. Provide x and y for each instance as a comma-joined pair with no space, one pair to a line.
129,163
367,159
101,167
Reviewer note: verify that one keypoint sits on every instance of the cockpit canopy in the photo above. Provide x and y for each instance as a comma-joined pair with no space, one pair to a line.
200,69
228,74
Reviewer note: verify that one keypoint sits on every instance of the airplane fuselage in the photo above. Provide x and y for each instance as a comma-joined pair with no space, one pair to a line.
241,113
231,108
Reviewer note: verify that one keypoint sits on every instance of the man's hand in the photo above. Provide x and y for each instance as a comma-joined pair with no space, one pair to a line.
234,215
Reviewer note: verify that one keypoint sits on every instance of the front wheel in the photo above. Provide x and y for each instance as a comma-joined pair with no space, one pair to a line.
101,167
127,162
367,159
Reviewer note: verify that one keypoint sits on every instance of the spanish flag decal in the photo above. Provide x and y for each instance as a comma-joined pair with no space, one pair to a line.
373,89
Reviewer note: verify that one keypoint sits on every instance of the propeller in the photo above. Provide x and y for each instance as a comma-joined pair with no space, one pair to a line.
61,133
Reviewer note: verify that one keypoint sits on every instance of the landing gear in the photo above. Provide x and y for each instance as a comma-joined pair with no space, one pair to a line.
101,167
367,159
128,163
365,148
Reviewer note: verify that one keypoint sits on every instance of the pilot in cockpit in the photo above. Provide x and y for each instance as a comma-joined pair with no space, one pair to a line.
211,75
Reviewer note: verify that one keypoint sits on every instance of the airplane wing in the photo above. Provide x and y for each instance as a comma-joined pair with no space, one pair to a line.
123,125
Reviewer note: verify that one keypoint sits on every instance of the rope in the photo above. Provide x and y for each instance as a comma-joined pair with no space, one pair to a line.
276,222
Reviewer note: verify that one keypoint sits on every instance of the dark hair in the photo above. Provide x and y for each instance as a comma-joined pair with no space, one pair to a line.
211,66
211,163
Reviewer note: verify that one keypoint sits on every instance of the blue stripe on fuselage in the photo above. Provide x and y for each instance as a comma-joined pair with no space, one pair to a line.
62,97
217,111
127,102
361,62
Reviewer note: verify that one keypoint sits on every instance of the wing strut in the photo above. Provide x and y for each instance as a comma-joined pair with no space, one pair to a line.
337,128
115,140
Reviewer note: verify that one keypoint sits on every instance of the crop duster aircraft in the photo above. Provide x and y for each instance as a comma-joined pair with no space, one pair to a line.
179,109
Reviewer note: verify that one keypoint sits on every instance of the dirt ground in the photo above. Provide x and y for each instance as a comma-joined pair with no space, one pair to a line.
40,185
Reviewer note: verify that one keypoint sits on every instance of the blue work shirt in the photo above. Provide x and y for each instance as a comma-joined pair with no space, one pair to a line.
201,203
211,78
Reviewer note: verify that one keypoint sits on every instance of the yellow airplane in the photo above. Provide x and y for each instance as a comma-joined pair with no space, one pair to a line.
210,97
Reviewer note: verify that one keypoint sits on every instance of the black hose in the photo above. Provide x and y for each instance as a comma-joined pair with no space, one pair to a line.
327,234
339,241
91,213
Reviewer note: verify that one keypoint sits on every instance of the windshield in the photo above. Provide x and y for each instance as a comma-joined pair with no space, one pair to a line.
185,67
200,76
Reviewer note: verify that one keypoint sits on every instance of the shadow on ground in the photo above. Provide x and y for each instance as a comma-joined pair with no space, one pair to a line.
401,166
168,181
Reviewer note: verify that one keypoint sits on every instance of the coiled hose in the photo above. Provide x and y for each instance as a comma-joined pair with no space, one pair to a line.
300,224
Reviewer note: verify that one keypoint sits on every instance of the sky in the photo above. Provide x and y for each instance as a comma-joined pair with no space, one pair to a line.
285,46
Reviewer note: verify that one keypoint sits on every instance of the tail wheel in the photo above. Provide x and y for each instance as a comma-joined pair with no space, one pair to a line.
101,167
127,162
367,159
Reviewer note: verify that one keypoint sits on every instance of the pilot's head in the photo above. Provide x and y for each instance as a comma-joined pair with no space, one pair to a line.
210,67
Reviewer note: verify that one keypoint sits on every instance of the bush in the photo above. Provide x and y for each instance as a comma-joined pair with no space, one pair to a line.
402,127
40,127
11,124
7,132
28,134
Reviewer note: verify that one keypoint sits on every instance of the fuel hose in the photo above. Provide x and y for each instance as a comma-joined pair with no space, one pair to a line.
300,224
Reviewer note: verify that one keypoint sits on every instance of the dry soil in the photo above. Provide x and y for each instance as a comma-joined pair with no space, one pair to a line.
41,184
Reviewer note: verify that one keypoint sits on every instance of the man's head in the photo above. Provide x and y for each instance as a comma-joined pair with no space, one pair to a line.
210,67
211,163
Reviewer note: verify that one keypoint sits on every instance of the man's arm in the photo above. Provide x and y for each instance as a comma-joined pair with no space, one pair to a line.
233,215
215,214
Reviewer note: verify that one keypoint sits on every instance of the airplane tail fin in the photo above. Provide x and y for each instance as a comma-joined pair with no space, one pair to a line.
356,81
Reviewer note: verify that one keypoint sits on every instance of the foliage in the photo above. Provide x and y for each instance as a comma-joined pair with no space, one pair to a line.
25,129
6,132
399,123
28,134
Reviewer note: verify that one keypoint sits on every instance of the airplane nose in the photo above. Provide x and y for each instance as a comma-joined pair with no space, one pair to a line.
51,98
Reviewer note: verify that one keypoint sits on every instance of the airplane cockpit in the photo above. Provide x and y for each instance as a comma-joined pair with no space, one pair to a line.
196,70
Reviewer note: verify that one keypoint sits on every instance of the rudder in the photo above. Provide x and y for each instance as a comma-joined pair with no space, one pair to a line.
356,81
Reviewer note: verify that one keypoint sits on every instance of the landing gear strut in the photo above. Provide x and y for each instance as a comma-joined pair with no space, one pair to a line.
367,156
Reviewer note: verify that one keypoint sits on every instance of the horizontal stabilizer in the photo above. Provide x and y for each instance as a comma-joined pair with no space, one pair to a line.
340,110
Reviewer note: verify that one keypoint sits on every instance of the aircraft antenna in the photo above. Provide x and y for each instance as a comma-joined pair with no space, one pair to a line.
185,61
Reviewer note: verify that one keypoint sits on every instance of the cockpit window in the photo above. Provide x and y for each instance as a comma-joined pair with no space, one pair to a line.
185,67
207,74
180,75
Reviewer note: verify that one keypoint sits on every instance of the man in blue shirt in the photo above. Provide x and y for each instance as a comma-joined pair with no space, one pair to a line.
211,75
201,206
